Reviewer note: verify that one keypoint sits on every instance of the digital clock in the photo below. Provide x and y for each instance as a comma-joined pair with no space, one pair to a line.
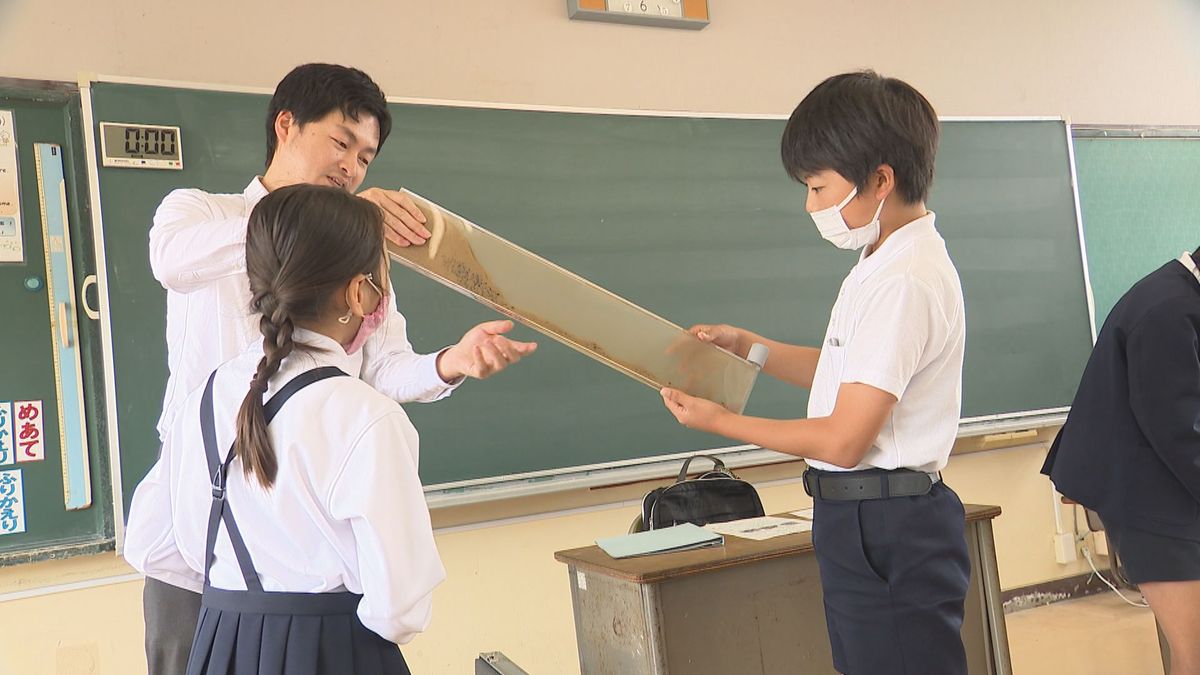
692,14
140,146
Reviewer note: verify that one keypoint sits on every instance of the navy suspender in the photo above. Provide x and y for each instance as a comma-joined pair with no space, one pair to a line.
220,471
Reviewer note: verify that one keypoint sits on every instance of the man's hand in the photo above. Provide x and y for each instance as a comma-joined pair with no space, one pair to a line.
724,336
482,352
403,222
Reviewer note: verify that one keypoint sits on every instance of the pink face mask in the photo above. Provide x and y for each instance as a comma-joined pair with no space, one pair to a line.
371,322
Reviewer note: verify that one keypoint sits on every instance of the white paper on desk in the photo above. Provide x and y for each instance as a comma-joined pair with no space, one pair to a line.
761,528
806,514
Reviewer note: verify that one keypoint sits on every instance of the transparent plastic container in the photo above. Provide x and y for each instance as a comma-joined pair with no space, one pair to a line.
575,311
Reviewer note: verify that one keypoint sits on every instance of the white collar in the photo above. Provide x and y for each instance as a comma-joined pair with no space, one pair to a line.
331,353
1186,260
255,190
900,239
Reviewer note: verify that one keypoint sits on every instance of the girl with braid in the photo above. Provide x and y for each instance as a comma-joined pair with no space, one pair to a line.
291,485
325,125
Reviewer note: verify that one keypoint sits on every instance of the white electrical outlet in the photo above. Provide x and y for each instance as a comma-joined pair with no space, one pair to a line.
1064,548
1100,543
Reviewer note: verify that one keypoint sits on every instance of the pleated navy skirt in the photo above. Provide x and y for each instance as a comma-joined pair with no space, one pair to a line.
1149,556
266,633
257,632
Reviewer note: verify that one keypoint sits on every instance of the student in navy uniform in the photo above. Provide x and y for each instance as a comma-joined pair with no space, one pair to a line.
288,486
1130,448
325,125
885,384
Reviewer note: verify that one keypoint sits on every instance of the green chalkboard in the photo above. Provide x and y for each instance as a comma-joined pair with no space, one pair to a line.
43,113
1140,208
692,218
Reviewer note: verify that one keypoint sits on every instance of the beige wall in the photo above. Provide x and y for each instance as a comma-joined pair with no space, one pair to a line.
504,591
1090,60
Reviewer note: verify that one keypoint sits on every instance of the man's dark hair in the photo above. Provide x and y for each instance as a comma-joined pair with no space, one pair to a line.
854,122
314,90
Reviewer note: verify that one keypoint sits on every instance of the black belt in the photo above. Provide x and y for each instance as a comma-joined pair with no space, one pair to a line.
867,484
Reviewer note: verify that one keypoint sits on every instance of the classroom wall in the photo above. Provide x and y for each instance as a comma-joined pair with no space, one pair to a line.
1094,61
504,592
1090,60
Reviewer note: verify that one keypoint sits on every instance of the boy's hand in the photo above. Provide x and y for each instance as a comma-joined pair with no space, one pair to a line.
724,336
403,222
692,412
482,352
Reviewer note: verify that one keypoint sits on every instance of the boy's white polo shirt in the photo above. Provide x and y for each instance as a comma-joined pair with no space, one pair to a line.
898,325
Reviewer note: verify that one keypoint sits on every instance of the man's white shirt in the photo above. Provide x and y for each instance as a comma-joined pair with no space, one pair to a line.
198,253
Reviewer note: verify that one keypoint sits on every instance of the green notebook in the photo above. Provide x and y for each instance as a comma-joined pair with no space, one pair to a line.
678,538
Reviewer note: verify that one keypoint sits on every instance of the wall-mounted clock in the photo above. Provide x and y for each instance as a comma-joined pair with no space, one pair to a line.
690,14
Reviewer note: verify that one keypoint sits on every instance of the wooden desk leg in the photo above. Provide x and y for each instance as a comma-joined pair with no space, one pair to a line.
990,576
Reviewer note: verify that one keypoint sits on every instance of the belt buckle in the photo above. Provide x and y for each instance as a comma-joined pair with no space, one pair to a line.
218,486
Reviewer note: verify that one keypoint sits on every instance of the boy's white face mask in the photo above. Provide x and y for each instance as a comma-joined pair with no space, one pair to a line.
834,229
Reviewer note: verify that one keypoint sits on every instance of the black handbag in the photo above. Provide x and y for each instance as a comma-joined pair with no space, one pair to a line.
716,496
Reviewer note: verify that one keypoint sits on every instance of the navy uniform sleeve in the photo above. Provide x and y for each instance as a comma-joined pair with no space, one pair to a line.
1163,354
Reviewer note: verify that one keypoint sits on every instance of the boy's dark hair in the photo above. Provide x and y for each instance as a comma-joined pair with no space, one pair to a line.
314,90
303,242
854,122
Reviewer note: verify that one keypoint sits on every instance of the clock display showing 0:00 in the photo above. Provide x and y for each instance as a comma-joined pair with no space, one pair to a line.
155,142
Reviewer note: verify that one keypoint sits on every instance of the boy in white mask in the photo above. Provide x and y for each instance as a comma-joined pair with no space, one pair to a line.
886,383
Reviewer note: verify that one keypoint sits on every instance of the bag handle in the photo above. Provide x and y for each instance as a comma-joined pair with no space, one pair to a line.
718,465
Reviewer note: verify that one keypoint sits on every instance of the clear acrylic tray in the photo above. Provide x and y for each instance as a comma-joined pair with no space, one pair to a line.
575,311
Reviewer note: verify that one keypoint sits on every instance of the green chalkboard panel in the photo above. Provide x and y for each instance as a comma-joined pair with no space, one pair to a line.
692,218
1140,208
